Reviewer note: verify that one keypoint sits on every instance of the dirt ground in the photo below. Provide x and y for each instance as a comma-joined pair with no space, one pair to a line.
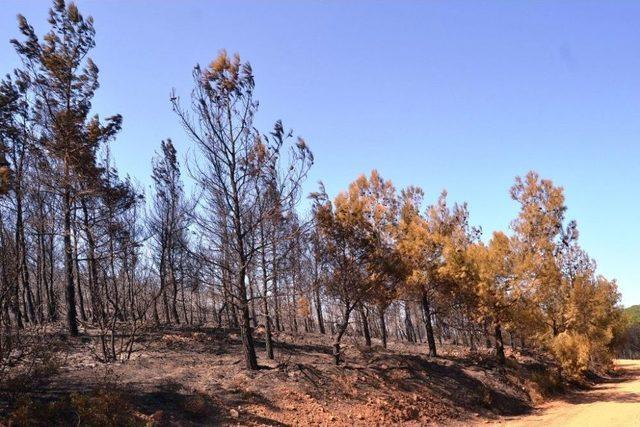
613,403
186,376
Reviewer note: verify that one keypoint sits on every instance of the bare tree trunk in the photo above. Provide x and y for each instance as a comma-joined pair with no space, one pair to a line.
411,335
165,302
274,273
15,306
485,333
365,325
318,305
156,316
341,329
267,326
254,317
53,301
92,268
72,321
499,344
39,272
265,301
22,268
10,284
42,268
248,347
174,284
188,317
383,326
294,304
162,271
246,330
83,314
427,321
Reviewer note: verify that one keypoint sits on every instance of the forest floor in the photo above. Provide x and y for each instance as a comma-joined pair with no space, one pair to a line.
195,376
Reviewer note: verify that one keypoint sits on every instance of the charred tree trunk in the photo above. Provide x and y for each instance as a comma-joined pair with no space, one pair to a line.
83,314
248,347
92,268
341,329
53,301
429,327
174,283
274,273
265,301
365,325
383,326
254,317
410,331
499,344
72,320
23,269
318,304
267,326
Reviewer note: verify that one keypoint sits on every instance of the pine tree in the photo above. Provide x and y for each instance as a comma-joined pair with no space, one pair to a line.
496,289
168,223
235,165
538,229
5,172
63,80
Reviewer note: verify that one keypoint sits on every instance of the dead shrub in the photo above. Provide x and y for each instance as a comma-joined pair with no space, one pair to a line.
99,408
546,383
27,358
197,406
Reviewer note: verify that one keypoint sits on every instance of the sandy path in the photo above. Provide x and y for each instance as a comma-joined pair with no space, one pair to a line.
611,404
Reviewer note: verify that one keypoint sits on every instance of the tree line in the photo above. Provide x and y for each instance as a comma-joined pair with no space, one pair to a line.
82,245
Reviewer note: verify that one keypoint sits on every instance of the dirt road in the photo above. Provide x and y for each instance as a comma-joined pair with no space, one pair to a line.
611,404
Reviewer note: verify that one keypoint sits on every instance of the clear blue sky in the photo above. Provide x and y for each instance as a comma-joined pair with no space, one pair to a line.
456,95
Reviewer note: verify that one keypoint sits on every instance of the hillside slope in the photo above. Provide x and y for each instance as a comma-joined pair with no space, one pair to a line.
633,313
195,377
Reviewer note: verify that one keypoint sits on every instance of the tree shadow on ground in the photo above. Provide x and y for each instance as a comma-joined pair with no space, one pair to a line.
606,390
449,381
164,404
173,405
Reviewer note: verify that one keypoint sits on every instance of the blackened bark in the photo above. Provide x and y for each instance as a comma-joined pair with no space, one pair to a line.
22,258
383,326
83,314
267,326
274,272
499,344
410,331
427,321
53,301
248,347
319,310
365,325
92,270
174,288
265,300
72,321
342,328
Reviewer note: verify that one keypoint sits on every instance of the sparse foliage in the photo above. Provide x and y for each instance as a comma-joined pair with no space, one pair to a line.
226,244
